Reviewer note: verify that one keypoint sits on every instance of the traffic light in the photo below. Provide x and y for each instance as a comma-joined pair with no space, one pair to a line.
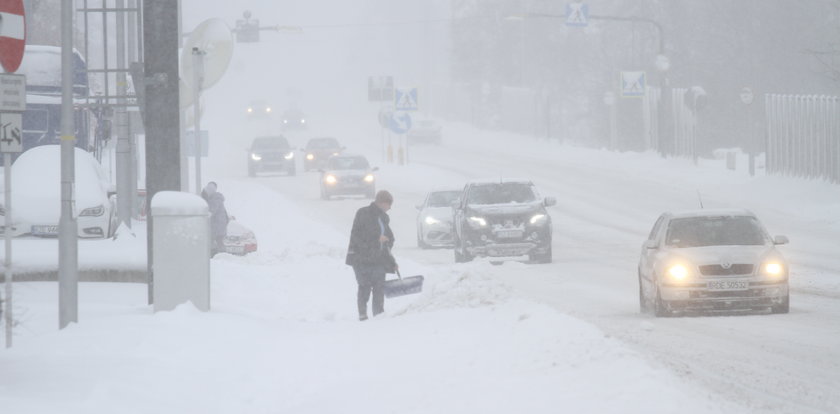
247,31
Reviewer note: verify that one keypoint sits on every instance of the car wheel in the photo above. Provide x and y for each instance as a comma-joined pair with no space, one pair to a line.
542,258
643,303
252,172
783,307
420,243
660,309
291,171
324,194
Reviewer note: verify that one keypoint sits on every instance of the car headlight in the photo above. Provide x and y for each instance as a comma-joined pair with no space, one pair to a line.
335,153
538,219
289,156
285,121
773,269
677,272
330,179
93,211
431,220
310,157
369,178
477,222
256,157
302,121
250,110
268,110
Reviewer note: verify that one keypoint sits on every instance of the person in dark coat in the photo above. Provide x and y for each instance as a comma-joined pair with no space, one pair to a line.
371,240
218,216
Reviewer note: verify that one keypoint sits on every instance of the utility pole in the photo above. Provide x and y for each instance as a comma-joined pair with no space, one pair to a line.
198,81
163,155
68,228
124,175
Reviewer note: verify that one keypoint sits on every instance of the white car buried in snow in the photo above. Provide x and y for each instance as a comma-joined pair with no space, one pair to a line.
434,219
36,194
712,260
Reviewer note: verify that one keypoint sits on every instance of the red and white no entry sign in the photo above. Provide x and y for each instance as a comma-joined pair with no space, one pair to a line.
12,34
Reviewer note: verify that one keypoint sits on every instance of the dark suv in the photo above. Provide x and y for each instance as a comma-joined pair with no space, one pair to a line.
502,219
271,154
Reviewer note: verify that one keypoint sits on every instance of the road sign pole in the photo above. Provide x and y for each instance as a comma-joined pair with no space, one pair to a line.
7,233
198,75
68,255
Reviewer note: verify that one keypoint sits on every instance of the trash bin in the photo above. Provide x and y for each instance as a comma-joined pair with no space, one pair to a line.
181,250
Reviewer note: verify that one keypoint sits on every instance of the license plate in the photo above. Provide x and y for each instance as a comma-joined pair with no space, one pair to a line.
508,234
44,230
236,249
729,285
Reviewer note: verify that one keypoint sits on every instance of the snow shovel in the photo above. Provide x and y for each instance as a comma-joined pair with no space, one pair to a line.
403,285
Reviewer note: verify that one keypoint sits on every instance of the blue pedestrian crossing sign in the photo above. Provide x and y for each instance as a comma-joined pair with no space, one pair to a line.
405,99
633,84
577,14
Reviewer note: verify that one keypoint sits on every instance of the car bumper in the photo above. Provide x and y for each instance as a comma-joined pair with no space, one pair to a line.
437,235
698,296
274,165
487,243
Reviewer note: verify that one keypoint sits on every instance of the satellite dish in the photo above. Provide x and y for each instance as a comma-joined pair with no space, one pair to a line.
215,39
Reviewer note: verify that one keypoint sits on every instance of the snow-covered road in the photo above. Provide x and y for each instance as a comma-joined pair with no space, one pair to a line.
607,203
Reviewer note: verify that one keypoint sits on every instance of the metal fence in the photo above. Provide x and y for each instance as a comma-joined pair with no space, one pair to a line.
803,136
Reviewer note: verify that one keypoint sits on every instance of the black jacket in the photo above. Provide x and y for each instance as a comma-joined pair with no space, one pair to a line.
364,246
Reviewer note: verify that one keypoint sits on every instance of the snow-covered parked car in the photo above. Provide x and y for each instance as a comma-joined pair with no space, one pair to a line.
348,175
36,194
502,219
712,260
239,240
434,219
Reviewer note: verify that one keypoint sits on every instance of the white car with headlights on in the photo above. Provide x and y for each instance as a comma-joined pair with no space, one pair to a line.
712,260
348,175
434,219
36,194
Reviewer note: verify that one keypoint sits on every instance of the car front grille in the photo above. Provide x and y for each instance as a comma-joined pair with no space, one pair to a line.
719,270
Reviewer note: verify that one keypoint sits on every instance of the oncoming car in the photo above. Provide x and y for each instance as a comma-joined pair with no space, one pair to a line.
293,119
258,109
271,153
348,175
502,219
712,260
318,151
434,219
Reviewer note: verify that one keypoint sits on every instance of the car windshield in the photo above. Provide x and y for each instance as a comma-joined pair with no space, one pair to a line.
443,198
715,231
348,163
501,193
270,143
322,143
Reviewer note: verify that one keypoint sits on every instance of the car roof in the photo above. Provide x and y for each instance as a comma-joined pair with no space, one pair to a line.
500,181
715,212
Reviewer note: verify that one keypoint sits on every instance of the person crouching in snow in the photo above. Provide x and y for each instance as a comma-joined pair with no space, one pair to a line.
218,216
371,240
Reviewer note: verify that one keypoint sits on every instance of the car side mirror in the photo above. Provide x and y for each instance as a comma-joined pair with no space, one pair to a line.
781,240
550,201
375,169
651,244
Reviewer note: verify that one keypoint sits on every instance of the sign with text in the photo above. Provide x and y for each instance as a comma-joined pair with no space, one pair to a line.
12,93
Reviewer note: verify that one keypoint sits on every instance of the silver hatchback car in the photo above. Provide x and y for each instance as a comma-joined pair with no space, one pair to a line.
712,260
